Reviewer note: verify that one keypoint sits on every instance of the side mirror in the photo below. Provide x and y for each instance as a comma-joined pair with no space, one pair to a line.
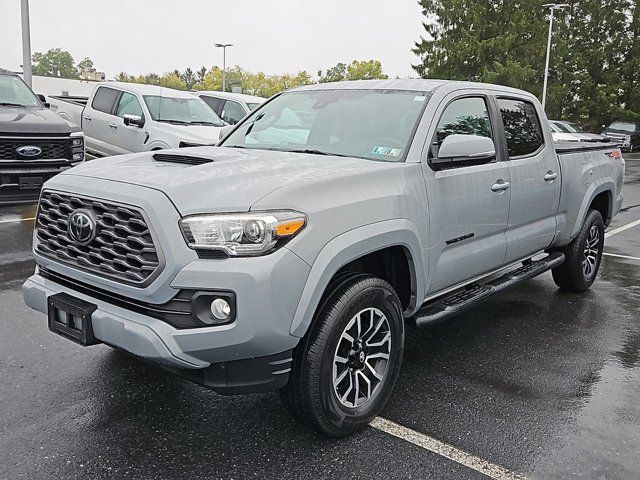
224,131
43,99
459,150
133,120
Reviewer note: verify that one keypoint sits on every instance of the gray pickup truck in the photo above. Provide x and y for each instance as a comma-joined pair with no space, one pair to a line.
293,255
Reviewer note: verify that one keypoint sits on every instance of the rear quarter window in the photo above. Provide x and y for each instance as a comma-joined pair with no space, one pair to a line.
521,127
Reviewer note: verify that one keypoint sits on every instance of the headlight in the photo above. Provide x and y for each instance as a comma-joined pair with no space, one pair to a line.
242,234
77,146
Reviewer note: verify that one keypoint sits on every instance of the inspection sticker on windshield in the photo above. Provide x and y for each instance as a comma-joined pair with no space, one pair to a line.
388,151
419,98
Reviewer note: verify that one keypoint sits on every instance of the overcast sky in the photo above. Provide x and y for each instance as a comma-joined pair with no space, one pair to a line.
274,36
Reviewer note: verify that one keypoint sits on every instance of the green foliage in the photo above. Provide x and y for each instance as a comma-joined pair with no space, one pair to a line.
85,64
356,70
54,63
595,58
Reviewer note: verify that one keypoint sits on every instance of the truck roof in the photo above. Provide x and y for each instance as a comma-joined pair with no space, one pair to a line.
144,89
414,84
6,72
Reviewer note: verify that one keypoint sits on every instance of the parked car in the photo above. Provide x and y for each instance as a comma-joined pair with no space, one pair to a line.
122,118
35,144
269,263
576,131
231,107
626,134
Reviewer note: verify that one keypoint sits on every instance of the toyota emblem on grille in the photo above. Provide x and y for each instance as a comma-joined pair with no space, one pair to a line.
82,226
29,151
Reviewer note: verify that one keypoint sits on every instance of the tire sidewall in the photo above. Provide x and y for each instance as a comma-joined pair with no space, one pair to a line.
378,294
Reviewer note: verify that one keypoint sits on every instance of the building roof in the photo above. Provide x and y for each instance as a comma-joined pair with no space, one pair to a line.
144,89
242,97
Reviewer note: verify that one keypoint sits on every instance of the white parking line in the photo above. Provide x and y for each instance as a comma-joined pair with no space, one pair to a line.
16,219
434,445
620,256
622,228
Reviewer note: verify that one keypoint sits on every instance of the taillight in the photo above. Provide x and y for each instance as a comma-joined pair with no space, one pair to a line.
618,154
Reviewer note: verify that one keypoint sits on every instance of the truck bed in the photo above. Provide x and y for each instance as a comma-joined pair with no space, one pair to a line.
71,99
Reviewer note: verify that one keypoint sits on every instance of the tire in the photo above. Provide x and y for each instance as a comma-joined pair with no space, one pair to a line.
326,354
582,256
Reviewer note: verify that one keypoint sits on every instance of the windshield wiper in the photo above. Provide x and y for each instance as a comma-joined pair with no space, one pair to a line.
9,104
206,123
174,122
312,151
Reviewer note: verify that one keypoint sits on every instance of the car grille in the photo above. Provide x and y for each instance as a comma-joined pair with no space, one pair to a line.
122,249
618,137
51,148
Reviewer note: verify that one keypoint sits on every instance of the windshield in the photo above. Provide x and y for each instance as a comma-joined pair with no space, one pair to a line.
626,126
572,128
560,127
183,111
253,106
14,92
371,124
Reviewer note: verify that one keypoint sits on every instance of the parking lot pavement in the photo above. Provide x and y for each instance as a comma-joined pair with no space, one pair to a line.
535,382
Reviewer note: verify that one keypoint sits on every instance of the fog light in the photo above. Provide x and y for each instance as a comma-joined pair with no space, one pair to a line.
78,156
220,309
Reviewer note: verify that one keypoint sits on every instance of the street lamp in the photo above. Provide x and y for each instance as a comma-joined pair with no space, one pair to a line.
223,46
552,8
26,42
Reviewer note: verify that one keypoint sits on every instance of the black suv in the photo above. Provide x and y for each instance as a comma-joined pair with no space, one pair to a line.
35,143
627,134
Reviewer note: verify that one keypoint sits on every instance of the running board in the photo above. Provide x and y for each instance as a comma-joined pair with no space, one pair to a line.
461,301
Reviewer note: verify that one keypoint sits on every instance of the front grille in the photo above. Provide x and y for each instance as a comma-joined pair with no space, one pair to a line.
50,148
122,249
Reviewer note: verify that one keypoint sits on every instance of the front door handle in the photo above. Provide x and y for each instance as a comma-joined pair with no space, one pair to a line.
550,176
113,125
87,117
500,185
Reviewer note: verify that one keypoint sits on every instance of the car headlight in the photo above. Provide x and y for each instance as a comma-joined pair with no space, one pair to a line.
242,234
77,146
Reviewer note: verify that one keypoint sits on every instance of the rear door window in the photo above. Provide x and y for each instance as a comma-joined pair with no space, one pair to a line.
232,112
216,104
104,99
521,127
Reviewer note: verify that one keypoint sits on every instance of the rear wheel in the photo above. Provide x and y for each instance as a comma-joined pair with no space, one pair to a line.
583,256
345,368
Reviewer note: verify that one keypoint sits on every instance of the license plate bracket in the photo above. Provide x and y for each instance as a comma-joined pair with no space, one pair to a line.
71,317
30,183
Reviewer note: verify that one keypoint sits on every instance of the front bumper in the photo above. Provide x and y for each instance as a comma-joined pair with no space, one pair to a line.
22,183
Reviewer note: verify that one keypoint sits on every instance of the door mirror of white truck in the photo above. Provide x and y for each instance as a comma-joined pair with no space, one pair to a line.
224,131
460,150
43,99
133,120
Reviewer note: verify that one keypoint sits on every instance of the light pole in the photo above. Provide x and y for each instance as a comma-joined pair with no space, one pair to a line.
26,42
552,8
224,46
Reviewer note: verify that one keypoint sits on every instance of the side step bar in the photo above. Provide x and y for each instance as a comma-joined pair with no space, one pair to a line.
461,301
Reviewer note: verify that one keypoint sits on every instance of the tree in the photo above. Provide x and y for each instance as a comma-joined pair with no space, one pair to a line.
594,60
54,63
189,78
365,70
334,74
85,64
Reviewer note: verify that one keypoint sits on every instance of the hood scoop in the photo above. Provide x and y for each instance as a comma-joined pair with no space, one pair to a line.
179,158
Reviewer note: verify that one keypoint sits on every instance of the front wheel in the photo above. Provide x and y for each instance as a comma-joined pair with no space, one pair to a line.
583,256
345,368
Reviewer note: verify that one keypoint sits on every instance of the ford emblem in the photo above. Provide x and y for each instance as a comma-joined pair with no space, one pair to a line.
82,226
29,151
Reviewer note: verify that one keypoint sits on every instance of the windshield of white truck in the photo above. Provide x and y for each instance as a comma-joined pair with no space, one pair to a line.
624,126
15,93
370,124
181,111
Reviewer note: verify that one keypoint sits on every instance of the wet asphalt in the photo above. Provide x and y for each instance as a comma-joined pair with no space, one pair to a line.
544,383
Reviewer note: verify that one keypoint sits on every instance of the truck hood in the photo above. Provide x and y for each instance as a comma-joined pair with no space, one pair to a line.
233,181
204,134
32,120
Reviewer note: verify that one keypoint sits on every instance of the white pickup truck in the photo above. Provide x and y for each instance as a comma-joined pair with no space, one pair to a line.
123,118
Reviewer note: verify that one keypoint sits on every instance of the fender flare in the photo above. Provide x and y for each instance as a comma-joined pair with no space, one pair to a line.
157,144
348,247
596,188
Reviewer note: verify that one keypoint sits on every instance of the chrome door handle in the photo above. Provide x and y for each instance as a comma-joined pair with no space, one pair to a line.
87,117
113,125
550,176
500,186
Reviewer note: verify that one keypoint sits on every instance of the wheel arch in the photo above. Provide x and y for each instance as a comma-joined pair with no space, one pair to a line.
598,196
357,250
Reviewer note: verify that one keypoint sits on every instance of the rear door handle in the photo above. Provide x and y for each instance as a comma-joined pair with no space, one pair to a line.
500,185
87,117
550,176
113,125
